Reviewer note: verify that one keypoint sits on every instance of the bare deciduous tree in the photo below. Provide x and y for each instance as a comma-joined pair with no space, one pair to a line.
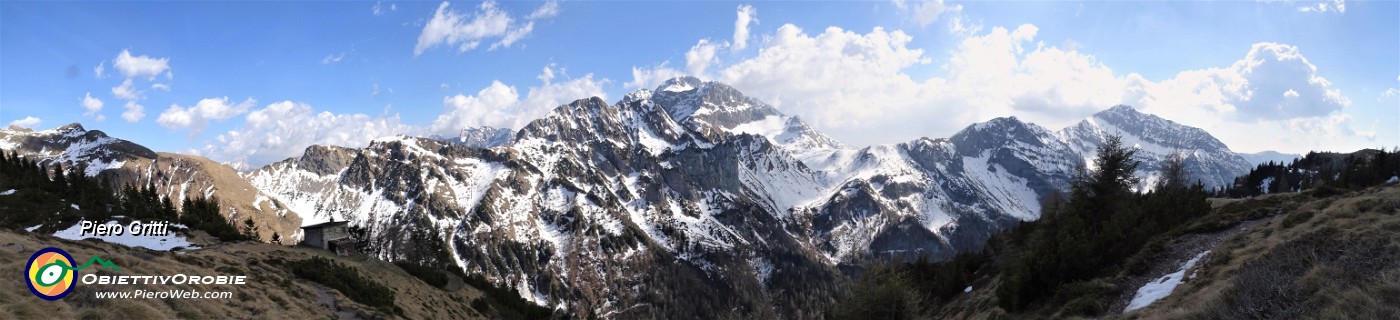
1173,171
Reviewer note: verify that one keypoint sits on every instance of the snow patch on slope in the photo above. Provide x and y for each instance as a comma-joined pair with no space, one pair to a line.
165,242
1008,191
1156,290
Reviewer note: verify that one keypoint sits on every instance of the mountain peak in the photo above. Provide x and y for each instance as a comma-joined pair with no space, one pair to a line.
687,97
16,128
1209,159
998,132
1010,125
71,127
680,84
1121,109
1002,121
642,94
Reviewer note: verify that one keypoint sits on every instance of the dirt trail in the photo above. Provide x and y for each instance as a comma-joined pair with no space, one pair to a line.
1178,252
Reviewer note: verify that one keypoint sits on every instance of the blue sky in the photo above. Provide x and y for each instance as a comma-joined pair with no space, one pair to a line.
255,82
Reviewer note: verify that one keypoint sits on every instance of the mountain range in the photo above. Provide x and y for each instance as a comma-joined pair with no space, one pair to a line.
172,175
677,202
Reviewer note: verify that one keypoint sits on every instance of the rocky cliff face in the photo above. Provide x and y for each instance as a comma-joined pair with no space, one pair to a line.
175,176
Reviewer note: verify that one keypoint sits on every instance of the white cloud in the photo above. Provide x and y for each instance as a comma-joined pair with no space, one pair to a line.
1272,82
125,91
701,56
332,58
138,66
927,12
651,77
492,106
513,36
198,116
134,112
378,8
92,105
1389,92
448,27
100,71
858,88
962,25
1006,72
549,9
27,122
467,31
500,105
284,129
746,15
132,67
837,78
1338,6
374,91
547,74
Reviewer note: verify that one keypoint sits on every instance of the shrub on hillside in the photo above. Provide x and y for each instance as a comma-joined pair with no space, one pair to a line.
348,281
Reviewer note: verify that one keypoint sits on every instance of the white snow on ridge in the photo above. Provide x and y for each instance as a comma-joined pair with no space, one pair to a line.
1162,287
770,127
678,86
1011,192
7,192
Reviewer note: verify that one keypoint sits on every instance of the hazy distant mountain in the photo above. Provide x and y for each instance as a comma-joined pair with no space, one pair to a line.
1266,156
482,137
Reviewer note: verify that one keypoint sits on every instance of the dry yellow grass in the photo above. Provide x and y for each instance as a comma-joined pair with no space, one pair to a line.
1324,232
1329,258
272,292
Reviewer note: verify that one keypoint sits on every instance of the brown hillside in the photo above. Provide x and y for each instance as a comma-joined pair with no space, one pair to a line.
272,291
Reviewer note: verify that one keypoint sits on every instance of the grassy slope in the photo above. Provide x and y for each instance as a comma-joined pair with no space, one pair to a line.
272,292
1328,255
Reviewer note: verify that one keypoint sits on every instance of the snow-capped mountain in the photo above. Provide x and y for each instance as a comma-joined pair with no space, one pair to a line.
693,197
1207,159
176,176
593,207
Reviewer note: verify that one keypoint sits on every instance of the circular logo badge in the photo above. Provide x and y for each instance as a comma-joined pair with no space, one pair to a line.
50,273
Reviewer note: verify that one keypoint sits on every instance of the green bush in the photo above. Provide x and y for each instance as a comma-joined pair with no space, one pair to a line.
348,281
507,303
431,276
1101,227
203,214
